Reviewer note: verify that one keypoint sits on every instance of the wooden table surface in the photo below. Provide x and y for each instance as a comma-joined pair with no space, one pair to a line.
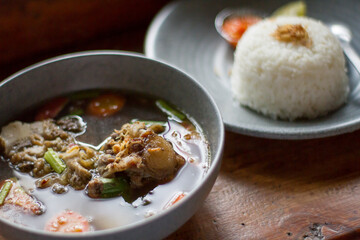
267,189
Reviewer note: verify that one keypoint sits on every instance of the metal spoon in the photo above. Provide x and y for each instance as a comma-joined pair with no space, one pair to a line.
343,33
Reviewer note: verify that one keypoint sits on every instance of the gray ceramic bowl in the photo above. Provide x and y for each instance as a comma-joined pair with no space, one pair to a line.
126,71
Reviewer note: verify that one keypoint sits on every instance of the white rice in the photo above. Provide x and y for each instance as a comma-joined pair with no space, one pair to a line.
288,81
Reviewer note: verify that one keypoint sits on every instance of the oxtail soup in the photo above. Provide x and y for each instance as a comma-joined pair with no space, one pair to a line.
98,159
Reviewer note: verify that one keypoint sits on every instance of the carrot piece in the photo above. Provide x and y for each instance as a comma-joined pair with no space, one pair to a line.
51,109
175,199
68,222
18,197
106,105
178,198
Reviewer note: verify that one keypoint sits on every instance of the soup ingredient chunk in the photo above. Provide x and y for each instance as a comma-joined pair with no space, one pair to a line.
55,162
140,153
45,150
156,126
17,135
106,105
68,222
72,123
5,189
107,187
79,161
19,199
25,144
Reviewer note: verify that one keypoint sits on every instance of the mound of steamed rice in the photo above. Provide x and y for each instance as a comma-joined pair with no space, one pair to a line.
286,80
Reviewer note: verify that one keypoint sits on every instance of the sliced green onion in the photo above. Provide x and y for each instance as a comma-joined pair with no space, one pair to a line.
5,191
170,111
55,162
113,187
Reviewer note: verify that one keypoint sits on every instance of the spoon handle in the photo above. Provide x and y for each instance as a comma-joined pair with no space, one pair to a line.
351,55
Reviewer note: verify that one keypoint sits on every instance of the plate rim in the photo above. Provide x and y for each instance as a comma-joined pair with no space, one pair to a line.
297,134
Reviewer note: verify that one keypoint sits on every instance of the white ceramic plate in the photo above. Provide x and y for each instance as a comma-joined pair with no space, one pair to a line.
183,34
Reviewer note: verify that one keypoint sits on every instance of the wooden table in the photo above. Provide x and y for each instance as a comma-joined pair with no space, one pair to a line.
267,189
272,189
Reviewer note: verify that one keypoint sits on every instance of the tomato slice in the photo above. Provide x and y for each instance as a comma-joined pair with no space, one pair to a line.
51,109
106,105
68,222
235,27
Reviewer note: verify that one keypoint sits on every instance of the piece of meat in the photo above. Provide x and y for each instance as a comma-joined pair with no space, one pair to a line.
52,131
141,154
157,128
26,143
95,188
31,153
49,180
77,174
17,132
160,158
71,124
79,160
41,168
59,188
17,135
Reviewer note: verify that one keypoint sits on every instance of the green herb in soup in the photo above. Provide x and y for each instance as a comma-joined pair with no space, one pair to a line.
78,158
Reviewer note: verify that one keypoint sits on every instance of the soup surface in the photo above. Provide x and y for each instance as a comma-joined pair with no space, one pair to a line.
99,159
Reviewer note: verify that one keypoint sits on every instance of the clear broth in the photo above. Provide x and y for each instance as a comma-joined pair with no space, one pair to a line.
114,212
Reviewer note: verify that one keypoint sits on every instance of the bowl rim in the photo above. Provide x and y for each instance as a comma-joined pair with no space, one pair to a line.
213,169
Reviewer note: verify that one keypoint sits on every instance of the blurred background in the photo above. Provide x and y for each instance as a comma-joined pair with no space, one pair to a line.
34,30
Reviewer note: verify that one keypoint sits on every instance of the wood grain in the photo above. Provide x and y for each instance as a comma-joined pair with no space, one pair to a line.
267,189
38,26
272,189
